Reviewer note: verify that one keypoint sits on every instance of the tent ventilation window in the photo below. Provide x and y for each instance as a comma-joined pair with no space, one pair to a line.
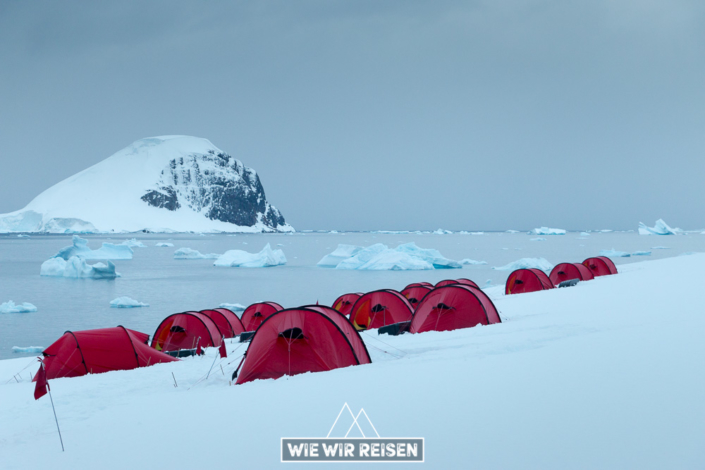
292,334
177,329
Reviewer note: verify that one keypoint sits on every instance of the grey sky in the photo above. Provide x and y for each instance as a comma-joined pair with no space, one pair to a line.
377,114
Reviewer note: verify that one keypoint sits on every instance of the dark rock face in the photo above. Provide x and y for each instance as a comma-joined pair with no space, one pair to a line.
216,185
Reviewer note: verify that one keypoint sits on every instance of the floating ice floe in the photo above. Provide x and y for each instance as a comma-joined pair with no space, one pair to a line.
391,232
28,349
340,254
235,308
380,257
660,248
472,262
11,307
126,302
77,268
537,239
188,253
584,234
134,243
614,253
22,235
512,231
242,259
607,230
165,245
107,251
527,263
547,231
661,228
641,253
440,231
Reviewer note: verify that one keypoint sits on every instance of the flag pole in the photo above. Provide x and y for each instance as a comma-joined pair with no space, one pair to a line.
54,410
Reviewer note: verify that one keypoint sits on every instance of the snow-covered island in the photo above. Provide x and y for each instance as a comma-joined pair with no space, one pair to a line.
161,184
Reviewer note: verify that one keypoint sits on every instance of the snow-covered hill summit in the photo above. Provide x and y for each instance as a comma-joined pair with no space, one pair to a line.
167,183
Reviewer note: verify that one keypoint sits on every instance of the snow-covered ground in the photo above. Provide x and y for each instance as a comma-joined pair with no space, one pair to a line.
606,374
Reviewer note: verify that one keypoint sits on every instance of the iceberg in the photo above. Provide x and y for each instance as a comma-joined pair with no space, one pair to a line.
126,302
340,254
584,234
660,228
660,248
614,253
165,245
77,268
379,257
472,262
188,253
107,251
235,308
641,253
242,259
527,263
11,307
512,231
440,231
538,239
28,349
134,243
547,231
22,235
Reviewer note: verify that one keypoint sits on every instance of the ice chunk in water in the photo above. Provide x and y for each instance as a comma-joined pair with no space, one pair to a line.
126,302
188,253
547,231
77,268
614,253
242,259
527,263
661,228
11,307
107,251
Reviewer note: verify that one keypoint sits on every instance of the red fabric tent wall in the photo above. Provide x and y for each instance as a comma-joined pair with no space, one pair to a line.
79,353
451,307
467,282
380,308
255,314
416,284
345,302
527,280
415,294
227,322
567,271
186,330
348,330
600,266
446,282
295,341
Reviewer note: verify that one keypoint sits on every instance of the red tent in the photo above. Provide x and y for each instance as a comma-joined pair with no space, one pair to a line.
380,308
415,294
527,280
467,282
451,307
79,353
187,330
567,271
600,266
446,282
227,322
345,303
299,340
417,284
255,314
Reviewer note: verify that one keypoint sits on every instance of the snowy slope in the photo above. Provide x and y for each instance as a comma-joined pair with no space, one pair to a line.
177,183
607,374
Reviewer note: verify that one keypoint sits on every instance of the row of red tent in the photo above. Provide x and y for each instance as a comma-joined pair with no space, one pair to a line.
532,280
311,338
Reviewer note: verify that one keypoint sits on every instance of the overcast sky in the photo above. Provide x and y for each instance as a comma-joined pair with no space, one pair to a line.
361,115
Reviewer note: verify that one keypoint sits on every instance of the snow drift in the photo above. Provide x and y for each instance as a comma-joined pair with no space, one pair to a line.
77,268
107,251
380,257
166,183
242,259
